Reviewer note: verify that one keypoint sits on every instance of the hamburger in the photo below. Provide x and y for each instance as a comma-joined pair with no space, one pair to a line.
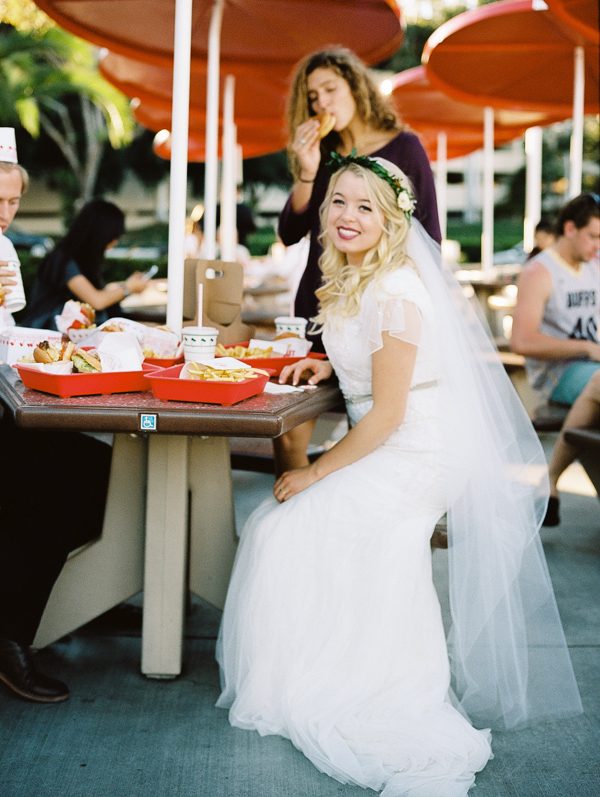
46,352
326,122
86,362
283,335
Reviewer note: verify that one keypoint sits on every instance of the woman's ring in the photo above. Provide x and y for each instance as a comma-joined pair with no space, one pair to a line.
303,141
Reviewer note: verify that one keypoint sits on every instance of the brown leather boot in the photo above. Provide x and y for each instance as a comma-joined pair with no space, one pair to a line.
18,673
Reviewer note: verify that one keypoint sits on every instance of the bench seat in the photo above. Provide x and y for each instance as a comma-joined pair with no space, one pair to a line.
587,443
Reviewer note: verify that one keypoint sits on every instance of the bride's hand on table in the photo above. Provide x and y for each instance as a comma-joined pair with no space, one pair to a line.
294,481
314,371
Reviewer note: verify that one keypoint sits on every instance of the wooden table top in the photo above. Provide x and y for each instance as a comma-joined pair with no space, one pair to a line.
260,416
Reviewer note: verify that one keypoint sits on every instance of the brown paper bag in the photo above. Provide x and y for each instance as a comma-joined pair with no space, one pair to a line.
223,284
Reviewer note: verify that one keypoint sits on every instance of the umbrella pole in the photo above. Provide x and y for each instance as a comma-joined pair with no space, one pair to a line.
533,185
179,150
576,149
441,180
487,232
228,203
212,131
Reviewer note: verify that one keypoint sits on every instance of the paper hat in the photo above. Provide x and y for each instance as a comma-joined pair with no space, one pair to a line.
8,146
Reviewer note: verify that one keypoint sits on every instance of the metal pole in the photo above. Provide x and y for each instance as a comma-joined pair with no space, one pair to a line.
228,203
533,185
576,149
487,232
441,181
182,42
212,131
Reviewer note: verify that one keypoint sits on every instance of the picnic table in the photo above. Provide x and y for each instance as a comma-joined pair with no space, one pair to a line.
185,479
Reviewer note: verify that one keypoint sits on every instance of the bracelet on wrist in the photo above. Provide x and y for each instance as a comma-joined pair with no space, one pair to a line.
126,291
302,180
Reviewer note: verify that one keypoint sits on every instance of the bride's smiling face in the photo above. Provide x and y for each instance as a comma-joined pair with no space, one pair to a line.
354,222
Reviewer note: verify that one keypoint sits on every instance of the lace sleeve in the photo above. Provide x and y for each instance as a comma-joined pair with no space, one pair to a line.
392,309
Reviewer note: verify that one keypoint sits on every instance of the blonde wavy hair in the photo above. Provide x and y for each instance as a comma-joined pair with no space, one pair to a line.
343,284
373,108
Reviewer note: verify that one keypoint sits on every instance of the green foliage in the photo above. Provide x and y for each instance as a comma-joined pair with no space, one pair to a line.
260,240
507,233
155,234
65,113
115,269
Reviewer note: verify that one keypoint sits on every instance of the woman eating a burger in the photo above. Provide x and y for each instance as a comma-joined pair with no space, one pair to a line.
336,106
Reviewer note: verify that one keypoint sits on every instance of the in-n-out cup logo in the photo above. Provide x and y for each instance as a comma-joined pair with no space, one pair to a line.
293,324
199,342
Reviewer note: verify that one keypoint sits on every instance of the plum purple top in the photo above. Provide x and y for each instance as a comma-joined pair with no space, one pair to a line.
406,151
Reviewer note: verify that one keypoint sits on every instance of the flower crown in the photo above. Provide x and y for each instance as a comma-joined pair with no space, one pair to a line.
404,196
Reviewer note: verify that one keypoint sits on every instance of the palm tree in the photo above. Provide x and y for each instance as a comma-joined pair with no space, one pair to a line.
49,81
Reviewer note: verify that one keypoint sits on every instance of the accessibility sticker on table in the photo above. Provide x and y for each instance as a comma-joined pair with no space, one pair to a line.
148,422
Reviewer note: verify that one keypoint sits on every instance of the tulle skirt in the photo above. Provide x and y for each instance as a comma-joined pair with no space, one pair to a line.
332,633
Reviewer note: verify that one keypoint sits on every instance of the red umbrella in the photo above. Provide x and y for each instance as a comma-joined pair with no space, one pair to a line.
272,30
260,89
509,55
579,14
256,137
430,111
260,93
450,128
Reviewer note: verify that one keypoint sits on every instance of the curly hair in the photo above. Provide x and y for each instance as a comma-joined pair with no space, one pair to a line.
343,285
373,108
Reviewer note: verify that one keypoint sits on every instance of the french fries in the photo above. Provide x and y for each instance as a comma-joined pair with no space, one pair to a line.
242,351
209,374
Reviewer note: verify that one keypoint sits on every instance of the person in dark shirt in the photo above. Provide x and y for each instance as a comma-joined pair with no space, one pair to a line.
43,473
73,269
337,82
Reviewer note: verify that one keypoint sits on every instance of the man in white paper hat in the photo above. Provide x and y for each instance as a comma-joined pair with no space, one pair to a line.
13,184
36,536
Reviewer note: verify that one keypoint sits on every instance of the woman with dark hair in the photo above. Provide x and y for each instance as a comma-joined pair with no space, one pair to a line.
336,82
73,269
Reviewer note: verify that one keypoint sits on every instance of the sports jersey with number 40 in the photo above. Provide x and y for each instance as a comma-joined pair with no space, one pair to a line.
572,311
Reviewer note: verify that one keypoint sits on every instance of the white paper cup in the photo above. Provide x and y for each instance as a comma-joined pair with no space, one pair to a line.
199,342
15,300
294,324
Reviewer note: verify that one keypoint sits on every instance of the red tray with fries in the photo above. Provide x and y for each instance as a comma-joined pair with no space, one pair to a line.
69,385
167,385
276,362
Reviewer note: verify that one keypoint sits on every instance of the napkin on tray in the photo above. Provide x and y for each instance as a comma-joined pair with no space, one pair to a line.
120,351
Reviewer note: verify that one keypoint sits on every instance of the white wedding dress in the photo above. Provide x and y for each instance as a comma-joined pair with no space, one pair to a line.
332,633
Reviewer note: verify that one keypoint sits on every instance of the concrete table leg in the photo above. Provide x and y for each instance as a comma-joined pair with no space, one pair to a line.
213,540
165,560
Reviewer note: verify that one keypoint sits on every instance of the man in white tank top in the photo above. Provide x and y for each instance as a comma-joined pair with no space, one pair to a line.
556,323
557,327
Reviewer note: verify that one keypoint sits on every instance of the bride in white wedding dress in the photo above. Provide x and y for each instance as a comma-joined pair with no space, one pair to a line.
332,633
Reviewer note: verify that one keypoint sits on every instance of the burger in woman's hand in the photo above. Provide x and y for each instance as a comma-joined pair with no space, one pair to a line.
327,122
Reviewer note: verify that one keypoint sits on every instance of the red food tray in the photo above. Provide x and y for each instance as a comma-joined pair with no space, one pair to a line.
167,385
276,364
68,385
163,362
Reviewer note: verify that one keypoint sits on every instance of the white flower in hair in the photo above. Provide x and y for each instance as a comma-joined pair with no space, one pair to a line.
406,201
